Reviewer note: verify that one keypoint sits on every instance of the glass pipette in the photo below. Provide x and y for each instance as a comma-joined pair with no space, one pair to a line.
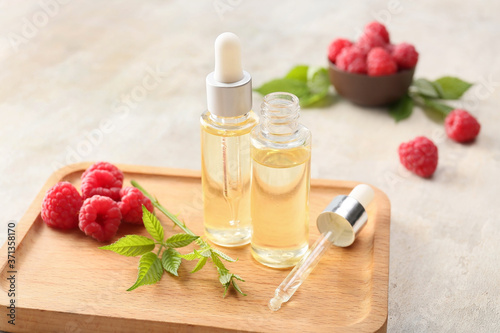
300,273
339,223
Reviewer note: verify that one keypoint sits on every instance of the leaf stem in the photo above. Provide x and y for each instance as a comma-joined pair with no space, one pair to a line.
159,250
171,216
163,209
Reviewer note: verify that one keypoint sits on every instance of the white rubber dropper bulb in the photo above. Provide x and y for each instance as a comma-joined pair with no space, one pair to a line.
363,193
228,68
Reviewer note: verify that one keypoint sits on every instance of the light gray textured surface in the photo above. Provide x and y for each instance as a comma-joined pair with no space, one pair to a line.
79,67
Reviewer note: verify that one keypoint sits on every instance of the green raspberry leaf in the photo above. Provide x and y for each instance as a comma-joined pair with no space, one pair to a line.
425,87
310,100
150,270
309,84
199,265
191,256
171,260
205,252
223,255
299,72
452,87
180,240
131,245
217,262
237,288
436,111
152,224
293,86
318,83
225,277
318,80
402,109
437,106
238,277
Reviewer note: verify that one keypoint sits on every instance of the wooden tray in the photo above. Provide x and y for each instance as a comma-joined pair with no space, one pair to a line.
64,283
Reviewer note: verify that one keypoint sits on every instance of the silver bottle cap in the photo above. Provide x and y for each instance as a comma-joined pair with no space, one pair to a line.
229,99
345,216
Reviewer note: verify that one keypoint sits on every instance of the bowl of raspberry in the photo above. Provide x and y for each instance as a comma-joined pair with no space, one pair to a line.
371,71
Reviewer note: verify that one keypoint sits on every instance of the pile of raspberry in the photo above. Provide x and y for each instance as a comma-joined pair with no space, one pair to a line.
101,207
373,54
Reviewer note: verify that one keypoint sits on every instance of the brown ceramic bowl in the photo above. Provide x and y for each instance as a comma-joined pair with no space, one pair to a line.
370,90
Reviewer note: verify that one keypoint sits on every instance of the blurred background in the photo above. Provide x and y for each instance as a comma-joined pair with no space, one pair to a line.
124,81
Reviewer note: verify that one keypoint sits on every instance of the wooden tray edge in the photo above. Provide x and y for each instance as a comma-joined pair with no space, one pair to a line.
31,214
381,259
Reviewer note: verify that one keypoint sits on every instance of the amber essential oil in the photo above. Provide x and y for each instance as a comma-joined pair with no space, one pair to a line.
281,155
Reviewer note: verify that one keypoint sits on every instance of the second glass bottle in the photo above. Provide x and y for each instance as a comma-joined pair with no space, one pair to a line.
281,154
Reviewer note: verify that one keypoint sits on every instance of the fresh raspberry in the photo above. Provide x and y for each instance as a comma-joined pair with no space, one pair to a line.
461,126
61,205
419,155
131,205
377,29
104,166
405,55
336,46
389,48
352,60
101,182
369,41
379,62
100,218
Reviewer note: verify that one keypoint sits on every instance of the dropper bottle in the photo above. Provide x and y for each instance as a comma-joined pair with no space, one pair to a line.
338,224
281,161
225,146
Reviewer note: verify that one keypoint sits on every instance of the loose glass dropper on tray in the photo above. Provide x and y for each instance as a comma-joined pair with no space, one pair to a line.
339,224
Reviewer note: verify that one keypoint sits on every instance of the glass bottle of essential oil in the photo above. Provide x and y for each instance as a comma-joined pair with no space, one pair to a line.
281,155
225,147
